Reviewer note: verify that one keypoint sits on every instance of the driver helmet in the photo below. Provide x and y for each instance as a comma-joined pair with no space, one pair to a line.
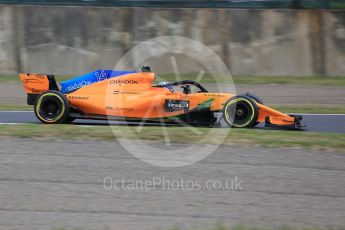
164,84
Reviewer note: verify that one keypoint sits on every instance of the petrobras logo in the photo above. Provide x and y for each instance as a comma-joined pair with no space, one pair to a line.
123,82
77,85
101,75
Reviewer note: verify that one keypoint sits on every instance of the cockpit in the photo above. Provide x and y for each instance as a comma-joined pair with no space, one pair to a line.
186,86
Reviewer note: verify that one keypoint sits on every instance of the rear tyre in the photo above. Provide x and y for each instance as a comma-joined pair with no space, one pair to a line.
240,112
52,107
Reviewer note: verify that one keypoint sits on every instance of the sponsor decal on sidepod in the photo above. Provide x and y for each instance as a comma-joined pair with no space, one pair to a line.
78,85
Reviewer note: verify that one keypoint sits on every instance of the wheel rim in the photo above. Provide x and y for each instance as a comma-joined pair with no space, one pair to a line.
239,113
50,108
242,112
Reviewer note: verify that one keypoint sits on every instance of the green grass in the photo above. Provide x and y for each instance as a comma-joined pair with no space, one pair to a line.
292,80
207,78
236,227
248,137
9,78
15,78
323,81
15,107
340,109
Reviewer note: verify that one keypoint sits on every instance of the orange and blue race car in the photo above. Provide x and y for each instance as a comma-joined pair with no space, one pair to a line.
132,96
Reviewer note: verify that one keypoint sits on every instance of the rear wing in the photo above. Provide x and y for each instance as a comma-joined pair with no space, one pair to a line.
35,84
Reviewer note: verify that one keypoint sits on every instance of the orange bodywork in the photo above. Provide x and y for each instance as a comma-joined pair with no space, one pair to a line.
275,117
34,83
134,96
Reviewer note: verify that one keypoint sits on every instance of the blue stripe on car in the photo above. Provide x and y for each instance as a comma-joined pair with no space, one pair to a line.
89,78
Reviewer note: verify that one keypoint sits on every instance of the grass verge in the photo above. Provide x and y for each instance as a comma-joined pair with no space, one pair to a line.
239,227
329,81
247,137
207,78
15,78
311,109
281,227
15,108
292,80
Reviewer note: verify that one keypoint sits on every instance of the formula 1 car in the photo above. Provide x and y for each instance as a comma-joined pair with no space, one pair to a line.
132,96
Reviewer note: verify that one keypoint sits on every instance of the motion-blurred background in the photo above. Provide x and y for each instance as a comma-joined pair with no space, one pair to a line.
291,53
254,38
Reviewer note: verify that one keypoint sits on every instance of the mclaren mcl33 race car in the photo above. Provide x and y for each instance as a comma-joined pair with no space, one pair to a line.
132,96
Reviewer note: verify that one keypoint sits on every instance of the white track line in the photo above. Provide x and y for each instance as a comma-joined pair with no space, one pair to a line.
319,114
12,123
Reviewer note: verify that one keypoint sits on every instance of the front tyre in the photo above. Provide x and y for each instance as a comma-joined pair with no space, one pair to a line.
240,112
255,98
52,107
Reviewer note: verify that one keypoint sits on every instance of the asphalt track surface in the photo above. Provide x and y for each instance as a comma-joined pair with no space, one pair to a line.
313,122
53,183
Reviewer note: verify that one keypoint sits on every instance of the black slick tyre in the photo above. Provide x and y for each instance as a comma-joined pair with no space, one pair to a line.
240,112
52,107
256,99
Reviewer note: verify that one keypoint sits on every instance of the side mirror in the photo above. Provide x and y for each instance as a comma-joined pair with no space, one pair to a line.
186,89
145,69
